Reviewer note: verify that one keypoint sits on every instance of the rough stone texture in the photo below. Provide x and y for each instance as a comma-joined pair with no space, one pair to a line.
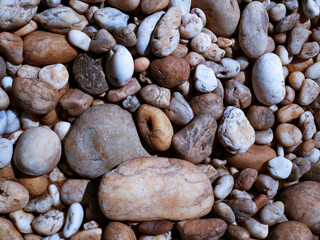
89,75
16,13
155,188
13,197
8,231
3,68
45,48
194,142
101,138
170,71
302,203
148,7
291,230
222,15
117,231
12,46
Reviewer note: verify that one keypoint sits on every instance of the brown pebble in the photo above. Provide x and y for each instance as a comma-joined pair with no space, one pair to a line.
155,227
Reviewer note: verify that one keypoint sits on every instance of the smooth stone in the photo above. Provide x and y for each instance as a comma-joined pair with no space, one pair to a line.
268,80
102,42
79,39
3,68
101,138
280,167
13,123
302,203
111,18
291,230
45,48
57,75
195,141
8,231
149,7
313,71
89,75
4,99
128,5
6,148
12,46
61,19
133,184
3,121
16,13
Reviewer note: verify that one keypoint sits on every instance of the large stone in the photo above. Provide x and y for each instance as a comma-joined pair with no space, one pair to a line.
302,203
16,13
8,231
143,189
101,138
45,48
89,75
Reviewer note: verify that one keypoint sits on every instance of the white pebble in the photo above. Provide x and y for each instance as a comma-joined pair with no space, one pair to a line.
3,121
79,39
61,129
39,204
6,83
53,3
15,136
48,223
13,122
56,175
205,79
22,220
313,156
54,237
57,74
256,229
111,18
74,220
280,167
29,120
54,194
223,187
6,150
310,8
184,5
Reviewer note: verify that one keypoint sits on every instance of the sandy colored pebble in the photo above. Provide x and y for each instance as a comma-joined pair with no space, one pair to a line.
141,64
117,231
289,113
48,223
8,231
288,135
35,185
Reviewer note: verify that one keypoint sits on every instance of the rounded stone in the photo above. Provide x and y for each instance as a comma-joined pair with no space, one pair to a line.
279,167
38,151
288,135
101,138
291,230
6,149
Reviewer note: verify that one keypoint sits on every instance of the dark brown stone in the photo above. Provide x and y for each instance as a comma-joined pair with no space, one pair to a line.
3,68
194,142
246,179
89,75
261,118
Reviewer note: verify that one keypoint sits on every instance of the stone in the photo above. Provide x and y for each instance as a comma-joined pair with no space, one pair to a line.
39,204
16,13
279,167
133,181
313,71
89,75
155,227
35,185
45,48
253,30
6,152
246,179
235,132
94,234
267,185
237,233
13,197
309,91
102,42
119,94
3,70
57,75
118,230
237,94
156,96
26,29
224,212
89,147
256,157
4,99
222,16
61,19
223,186
8,231
111,18
260,117
34,95
191,26
297,37
28,71
195,141
46,157
288,135
310,8
148,7
166,36
48,223
79,39
302,203
170,71
288,23
291,230
125,36
309,50
12,46
78,191
125,5
3,121
267,79
205,79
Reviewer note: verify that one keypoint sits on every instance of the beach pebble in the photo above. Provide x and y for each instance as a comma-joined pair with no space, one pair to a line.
291,230
267,185
307,125
264,137
39,204
111,18
6,152
309,91
11,46
61,19
28,71
260,117
54,194
267,79
118,230
313,71
119,66
256,229
35,185
310,8
246,179
73,220
48,223
191,26
26,29
125,36
3,121
46,157
184,5
77,191
297,37
161,202
148,7
87,147
223,187
272,213
79,39
309,50
156,96
125,5
22,220
166,36
237,233
201,42
279,167
205,79
155,227
237,94
13,123
17,13
102,42
288,135
289,113
243,208
277,12
93,234
235,132
14,196
57,75
119,94
224,212
8,231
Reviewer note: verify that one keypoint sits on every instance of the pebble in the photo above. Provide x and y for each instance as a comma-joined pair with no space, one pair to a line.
17,13
125,36
194,142
302,203
14,196
111,18
307,125
157,5
26,29
291,230
227,68
237,94
94,234
288,135
267,185
6,83
261,118
73,220
156,96
235,132
45,48
4,99
309,91
11,46
246,179
54,194
264,137
77,191
125,5
310,8
297,37
6,152
119,66
61,20
8,231
279,167
288,23
191,26
22,220
35,185
155,227
3,121
141,64
165,38
256,229
205,79
267,79
28,71
48,223
79,39
309,50
102,123
223,187
13,123
3,71
39,204
53,3
313,71
170,71
161,202
253,30
57,75
289,113
119,94
224,212
201,42
118,230
272,213
46,157
243,208
102,42
237,233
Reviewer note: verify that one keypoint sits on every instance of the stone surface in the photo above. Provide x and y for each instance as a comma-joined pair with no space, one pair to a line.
16,13
89,75
12,46
57,75
45,48
148,7
118,230
8,231
101,138
111,18
194,142
102,42
291,230
302,203
134,181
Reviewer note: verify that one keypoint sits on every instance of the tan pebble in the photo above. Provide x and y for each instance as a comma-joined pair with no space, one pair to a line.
8,231
306,147
48,223
288,134
35,185
119,94
32,237
148,7
290,96
79,6
194,59
309,91
6,173
155,227
141,64
28,71
57,75
267,185
309,50
125,36
118,231
181,51
289,112
4,99
92,234
246,179
156,96
296,80
299,65
26,29
51,117
214,53
260,117
12,46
